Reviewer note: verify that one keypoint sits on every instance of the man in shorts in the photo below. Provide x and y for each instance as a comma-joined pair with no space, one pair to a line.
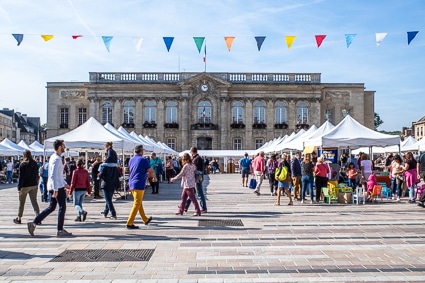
246,168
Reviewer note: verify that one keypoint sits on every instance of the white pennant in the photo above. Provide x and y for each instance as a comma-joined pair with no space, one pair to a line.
138,42
380,37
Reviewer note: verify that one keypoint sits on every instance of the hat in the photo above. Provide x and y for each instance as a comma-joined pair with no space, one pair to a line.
138,148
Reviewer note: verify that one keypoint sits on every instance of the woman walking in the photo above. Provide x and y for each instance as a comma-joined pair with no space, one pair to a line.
411,175
307,178
80,186
27,185
397,170
321,170
188,183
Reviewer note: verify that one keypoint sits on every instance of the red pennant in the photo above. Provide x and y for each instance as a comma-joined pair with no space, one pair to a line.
319,39
76,36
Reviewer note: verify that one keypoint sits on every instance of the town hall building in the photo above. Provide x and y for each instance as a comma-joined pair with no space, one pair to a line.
239,111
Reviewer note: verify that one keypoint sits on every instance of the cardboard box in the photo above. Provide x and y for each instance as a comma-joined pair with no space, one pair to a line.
344,197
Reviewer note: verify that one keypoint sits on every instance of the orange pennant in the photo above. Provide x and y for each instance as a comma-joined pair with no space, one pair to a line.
47,37
229,41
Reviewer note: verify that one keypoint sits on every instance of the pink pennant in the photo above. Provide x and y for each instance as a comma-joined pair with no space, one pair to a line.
319,39
76,36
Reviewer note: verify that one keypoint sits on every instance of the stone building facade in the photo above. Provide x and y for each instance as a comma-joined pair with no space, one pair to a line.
209,110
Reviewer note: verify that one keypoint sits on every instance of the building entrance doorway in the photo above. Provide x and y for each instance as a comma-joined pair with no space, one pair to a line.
204,143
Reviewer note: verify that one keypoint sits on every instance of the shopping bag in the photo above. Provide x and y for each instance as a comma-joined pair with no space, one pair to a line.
252,184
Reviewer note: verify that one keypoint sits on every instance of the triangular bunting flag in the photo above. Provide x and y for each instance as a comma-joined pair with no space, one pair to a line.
410,36
46,37
289,40
138,42
199,41
380,37
76,36
319,39
19,37
168,42
260,40
107,41
349,38
229,41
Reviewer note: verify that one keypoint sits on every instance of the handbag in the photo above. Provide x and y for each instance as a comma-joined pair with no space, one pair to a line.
252,183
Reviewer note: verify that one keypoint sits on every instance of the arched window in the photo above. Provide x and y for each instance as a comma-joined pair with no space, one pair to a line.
150,112
237,112
259,112
204,112
280,113
107,112
302,113
128,111
171,112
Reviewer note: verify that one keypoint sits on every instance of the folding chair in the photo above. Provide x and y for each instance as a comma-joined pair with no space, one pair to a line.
358,195
327,197
385,190
376,192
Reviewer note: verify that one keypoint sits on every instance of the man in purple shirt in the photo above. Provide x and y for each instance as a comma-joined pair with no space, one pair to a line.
139,169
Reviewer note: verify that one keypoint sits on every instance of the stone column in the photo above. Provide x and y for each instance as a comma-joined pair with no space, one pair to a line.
223,140
249,120
184,124
92,109
291,113
160,118
139,118
117,117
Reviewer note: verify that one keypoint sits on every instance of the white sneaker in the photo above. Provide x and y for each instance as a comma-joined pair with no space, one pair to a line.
302,201
311,202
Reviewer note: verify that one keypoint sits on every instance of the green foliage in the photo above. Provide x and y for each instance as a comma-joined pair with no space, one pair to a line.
377,121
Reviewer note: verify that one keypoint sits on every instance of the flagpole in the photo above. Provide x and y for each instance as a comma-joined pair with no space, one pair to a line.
205,56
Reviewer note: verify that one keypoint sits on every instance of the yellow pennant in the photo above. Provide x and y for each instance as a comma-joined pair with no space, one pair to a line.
46,37
229,41
289,40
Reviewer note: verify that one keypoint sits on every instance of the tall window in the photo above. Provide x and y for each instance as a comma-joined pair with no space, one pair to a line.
259,112
237,144
171,143
204,112
128,111
237,112
258,143
280,113
150,112
171,112
329,115
107,112
302,113
64,117
82,115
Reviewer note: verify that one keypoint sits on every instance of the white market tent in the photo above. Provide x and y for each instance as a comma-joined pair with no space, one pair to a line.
298,142
350,133
404,146
39,147
418,146
34,152
221,153
6,151
271,144
135,138
12,146
282,146
90,135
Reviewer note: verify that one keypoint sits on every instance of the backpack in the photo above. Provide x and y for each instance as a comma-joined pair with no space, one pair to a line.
282,173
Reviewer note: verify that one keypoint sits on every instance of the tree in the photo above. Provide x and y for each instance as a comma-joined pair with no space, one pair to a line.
377,121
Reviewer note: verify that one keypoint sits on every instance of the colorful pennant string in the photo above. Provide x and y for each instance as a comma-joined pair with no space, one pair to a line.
199,41
349,38
410,36
380,37
289,40
107,41
168,42
19,37
319,39
46,37
260,40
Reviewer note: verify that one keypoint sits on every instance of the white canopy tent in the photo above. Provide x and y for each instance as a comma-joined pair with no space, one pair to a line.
12,146
34,152
282,146
135,138
39,147
6,151
298,142
404,146
90,135
271,144
350,133
418,146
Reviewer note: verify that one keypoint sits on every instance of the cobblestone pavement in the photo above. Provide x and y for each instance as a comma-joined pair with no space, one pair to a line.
242,238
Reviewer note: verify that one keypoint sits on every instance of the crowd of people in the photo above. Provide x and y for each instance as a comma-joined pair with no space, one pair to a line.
298,176
59,179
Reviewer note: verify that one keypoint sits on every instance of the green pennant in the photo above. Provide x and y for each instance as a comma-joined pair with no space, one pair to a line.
199,41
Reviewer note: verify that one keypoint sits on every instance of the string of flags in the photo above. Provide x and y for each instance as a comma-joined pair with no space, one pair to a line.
199,41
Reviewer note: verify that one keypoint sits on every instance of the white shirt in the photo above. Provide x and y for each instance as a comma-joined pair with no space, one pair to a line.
9,166
55,179
367,166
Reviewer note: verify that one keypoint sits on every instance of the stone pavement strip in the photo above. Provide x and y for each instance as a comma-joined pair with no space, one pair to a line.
242,238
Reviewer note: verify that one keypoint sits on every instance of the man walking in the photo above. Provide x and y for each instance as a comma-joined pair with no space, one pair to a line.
296,175
139,168
199,177
246,168
259,167
58,192
156,165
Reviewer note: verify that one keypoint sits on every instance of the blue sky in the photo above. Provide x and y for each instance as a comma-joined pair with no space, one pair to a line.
394,70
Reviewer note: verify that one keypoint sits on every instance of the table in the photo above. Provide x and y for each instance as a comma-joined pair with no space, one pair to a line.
385,179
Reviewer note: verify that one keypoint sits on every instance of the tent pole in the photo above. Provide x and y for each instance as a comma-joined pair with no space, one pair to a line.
123,174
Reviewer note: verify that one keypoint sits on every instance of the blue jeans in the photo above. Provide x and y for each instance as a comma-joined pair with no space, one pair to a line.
78,201
307,183
396,186
9,175
201,195
352,183
59,200
44,192
109,206
412,192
